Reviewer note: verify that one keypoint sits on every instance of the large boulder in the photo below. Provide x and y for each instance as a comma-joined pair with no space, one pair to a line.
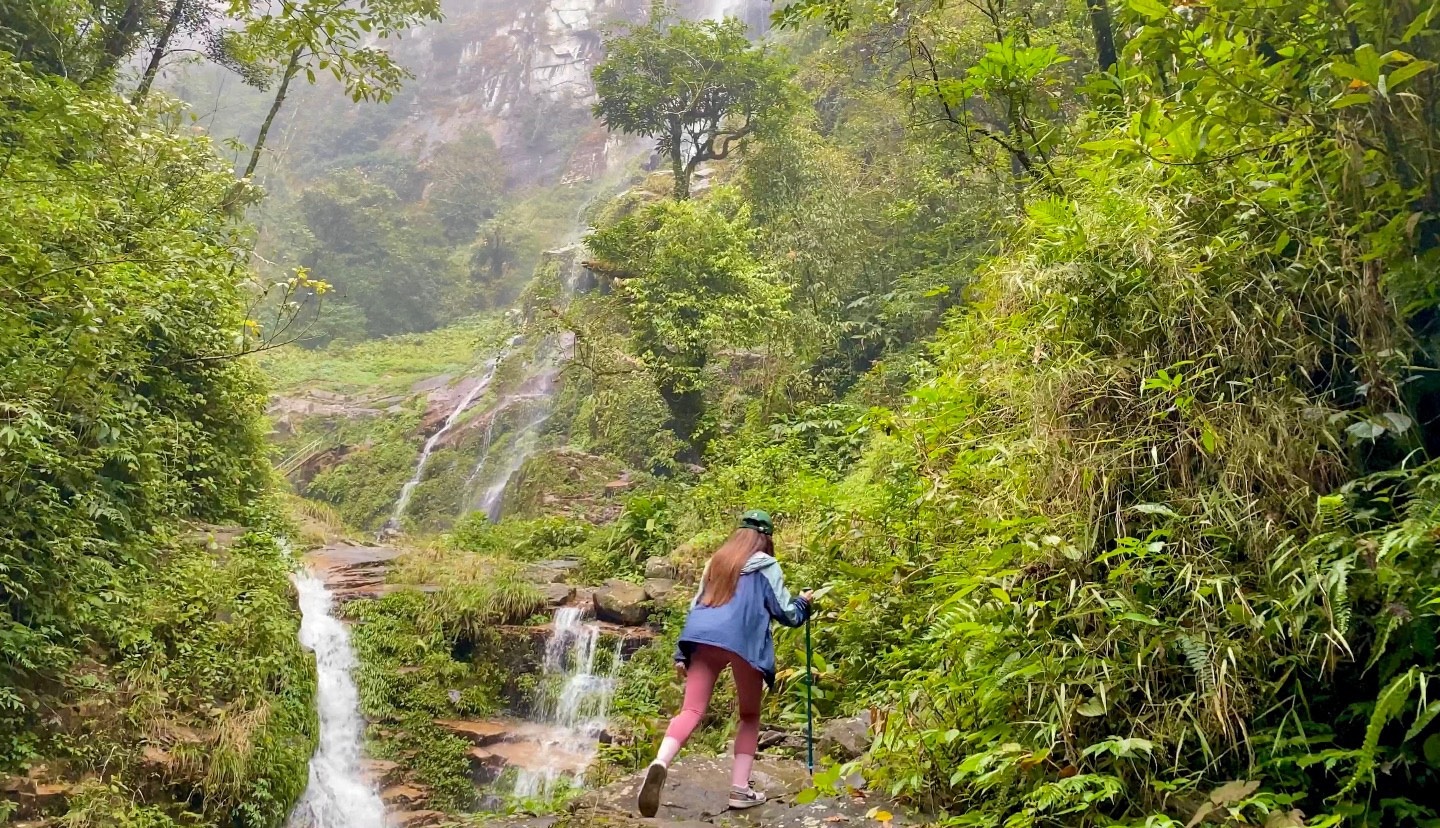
555,595
659,590
659,568
845,739
621,602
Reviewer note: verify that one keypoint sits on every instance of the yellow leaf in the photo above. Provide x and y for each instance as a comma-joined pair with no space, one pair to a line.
883,816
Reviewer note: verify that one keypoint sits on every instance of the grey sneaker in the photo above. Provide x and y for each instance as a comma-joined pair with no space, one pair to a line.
746,797
650,790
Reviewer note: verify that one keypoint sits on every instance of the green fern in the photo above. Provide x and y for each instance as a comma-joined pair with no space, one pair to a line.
1339,597
1388,706
1197,655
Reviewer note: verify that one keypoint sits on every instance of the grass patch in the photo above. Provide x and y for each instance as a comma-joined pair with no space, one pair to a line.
387,366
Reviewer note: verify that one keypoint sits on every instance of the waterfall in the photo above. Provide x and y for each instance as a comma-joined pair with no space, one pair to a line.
578,710
393,524
520,450
539,389
337,796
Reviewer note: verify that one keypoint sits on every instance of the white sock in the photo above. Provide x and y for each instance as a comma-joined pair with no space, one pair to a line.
668,749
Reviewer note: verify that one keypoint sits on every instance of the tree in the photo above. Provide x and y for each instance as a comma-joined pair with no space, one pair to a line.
73,38
689,283
311,35
389,261
466,182
700,89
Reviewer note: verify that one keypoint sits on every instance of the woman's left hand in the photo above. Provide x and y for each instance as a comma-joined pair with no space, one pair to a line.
680,670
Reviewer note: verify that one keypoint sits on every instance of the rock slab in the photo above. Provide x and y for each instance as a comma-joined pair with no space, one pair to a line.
621,602
696,794
845,739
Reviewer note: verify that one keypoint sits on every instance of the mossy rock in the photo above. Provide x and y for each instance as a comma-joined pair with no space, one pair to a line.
567,482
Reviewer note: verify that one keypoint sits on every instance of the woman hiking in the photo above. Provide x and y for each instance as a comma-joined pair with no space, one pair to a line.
741,591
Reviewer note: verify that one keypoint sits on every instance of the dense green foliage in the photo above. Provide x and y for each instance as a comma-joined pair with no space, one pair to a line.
1151,510
130,650
440,655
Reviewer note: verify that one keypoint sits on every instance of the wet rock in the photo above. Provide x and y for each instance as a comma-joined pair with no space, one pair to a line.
485,766
845,739
659,590
479,734
382,773
556,595
403,795
696,792
622,602
584,596
416,819
659,568
352,571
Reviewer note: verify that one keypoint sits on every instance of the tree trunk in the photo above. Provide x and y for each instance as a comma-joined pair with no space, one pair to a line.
291,70
118,41
677,161
1104,33
177,10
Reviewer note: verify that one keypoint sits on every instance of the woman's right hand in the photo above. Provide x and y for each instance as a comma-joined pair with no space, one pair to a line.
808,595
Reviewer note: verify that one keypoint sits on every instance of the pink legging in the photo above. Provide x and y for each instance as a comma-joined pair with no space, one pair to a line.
706,664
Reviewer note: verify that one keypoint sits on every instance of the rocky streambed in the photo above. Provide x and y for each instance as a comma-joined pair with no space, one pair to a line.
546,742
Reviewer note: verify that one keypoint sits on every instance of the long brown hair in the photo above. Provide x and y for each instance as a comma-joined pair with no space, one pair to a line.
722,574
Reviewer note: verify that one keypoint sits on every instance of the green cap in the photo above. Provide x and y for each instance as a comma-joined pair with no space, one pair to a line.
758,520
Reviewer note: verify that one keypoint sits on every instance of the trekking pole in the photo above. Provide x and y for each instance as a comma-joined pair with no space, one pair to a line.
809,707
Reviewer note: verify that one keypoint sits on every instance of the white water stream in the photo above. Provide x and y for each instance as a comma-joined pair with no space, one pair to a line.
393,524
578,711
337,795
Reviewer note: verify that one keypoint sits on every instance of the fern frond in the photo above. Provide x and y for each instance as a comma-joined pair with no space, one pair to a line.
1388,706
1197,655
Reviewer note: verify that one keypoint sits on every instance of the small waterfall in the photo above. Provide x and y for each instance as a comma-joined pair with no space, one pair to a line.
393,524
579,709
337,796
520,450
539,390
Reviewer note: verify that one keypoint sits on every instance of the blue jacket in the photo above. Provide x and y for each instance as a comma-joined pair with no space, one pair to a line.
742,626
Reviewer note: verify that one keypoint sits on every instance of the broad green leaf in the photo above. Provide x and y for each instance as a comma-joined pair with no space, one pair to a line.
1365,430
1400,76
1153,9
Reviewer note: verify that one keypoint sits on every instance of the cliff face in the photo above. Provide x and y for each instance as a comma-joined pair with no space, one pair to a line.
520,69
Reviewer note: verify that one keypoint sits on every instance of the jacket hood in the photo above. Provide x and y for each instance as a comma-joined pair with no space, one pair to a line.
757,562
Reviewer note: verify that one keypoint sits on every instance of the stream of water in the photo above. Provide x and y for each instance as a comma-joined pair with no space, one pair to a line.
579,709
393,524
337,795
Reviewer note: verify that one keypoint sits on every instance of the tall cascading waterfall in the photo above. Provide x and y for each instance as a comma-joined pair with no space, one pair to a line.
401,504
337,795
536,400
579,709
